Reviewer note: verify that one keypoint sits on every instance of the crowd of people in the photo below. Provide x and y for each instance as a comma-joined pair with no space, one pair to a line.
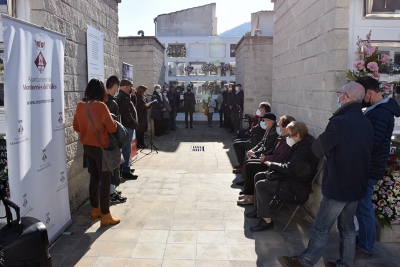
277,159
278,162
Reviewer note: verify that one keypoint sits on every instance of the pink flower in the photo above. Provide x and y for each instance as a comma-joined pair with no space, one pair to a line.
384,58
375,74
369,50
373,66
397,185
359,64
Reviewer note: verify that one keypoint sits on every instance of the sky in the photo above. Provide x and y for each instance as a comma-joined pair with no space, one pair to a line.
136,15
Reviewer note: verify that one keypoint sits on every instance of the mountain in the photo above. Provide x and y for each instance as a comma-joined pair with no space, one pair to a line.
238,30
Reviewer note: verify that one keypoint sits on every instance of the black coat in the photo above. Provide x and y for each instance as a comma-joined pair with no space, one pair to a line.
347,144
300,164
381,117
237,101
142,113
229,99
189,101
173,103
113,107
267,142
127,111
157,107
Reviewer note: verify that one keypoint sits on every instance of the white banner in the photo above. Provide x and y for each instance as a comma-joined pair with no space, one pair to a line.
95,53
35,129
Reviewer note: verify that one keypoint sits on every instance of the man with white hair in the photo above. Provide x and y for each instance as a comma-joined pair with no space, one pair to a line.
347,144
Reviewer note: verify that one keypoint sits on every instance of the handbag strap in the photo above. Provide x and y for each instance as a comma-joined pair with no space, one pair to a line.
94,128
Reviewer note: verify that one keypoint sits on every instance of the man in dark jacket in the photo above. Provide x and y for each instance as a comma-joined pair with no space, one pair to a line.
229,99
347,144
189,101
129,120
112,86
381,113
236,107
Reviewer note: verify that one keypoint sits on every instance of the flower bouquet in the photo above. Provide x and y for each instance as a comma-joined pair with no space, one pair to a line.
189,68
368,63
211,67
204,67
386,197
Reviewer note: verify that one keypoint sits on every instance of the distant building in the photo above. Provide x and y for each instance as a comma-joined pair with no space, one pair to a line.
262,23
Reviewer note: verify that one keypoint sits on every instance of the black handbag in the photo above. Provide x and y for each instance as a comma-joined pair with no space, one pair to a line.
112,156
272,176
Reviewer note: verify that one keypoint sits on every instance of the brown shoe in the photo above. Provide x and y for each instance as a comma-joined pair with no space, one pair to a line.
238,170
95,213
330,264
107,219
245,201
238,166
291,261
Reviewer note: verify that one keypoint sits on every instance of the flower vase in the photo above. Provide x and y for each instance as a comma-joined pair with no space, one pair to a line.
387,235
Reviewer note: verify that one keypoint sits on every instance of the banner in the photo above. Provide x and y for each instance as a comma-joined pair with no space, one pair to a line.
95,53
35,129
127,71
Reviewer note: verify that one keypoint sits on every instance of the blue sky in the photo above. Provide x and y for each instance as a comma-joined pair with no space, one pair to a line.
137,15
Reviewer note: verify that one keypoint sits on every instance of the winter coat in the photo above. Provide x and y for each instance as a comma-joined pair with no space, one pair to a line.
167,107
172,100
229,99
267,141
300,164
381,115
280,150
113,107
157,107
237,101
189,101
142,113
127,111
347,144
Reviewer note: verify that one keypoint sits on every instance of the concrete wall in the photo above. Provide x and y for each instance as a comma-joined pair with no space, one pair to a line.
196,21
310,60
254,70
71,18
146,54
263,20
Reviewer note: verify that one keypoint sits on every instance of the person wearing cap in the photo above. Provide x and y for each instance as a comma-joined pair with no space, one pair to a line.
130,121
237,107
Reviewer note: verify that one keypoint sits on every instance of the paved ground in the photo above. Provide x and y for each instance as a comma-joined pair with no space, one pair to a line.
182,212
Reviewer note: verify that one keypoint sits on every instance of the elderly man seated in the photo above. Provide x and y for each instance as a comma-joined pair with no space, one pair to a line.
299,168
255,135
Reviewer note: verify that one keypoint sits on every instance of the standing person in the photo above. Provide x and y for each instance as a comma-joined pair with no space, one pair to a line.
189,101
347,144
156,110
229,100
221,107
166,112
211,108
173,103
380,113
130,121
142,106
112,86
95,96
225,104
236,107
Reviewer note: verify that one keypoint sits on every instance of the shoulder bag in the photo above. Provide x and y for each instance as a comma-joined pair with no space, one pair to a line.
112,156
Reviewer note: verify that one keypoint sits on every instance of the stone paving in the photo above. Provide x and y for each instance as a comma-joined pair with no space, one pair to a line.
182,212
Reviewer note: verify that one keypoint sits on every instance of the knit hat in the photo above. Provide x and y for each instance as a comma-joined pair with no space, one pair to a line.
269,115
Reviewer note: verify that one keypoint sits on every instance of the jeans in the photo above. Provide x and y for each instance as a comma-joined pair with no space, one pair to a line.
172,118
126,152
328,211
366,220
209,118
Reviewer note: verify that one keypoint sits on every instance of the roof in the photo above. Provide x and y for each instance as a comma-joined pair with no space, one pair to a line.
186,9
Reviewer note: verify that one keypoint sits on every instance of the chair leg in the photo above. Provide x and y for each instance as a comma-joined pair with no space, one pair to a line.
291,218
278,209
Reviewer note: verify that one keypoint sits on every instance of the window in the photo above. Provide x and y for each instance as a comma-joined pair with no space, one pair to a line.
176,69
176,51
382,9
197,71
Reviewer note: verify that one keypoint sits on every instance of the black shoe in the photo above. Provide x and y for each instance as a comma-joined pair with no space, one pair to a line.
118,192
221,126
186,127
132,170
241,183
141,146
252,214
241,192
172,129
262,225
128,175
117,198
191,127
230,131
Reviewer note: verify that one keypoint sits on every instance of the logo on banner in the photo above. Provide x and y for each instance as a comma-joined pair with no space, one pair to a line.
39,45
62,180
46,164
61,121
40,61
48,220
23,138
25,205
20,128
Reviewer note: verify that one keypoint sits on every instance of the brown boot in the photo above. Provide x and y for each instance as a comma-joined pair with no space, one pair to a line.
95,214
107,219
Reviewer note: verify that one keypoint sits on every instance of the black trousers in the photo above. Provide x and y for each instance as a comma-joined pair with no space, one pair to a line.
94,156
158,127
140,138
253,166
265,190
187,112
240,147
221,118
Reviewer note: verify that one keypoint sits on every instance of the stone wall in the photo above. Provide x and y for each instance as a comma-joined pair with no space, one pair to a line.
254,70
310,60
146,54
71,18
264,21
196,21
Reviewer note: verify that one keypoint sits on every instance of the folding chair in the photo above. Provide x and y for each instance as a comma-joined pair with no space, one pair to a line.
320,167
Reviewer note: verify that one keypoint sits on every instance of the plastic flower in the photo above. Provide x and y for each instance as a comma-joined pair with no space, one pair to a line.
384,58
359,64
373,66
382,202
369,50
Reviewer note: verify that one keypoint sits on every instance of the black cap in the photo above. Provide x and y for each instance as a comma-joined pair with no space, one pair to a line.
269,115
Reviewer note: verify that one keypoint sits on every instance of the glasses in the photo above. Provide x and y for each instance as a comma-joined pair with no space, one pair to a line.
341,93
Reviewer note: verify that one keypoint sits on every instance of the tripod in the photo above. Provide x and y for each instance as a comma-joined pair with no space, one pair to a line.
151,144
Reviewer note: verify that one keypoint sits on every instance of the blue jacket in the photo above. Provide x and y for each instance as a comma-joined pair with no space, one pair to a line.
347,144
381,115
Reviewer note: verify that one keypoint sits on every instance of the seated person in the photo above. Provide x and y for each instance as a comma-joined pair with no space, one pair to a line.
253,166
299,167
255,135
245,133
